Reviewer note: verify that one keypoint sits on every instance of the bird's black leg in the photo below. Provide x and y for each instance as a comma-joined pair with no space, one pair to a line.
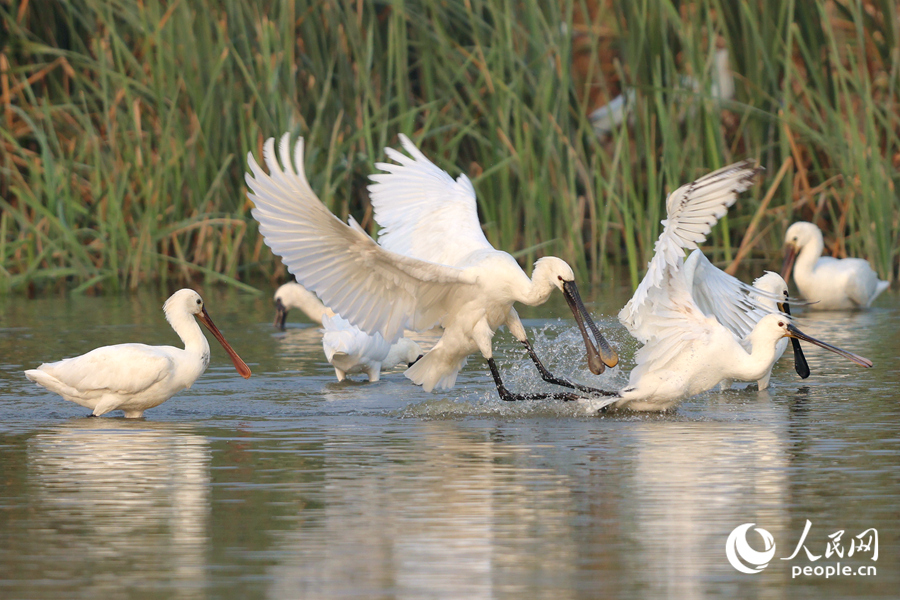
550,378
508,396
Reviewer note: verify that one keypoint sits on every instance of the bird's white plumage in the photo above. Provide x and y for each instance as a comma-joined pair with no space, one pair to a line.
377,290
734,304
698,325
829,283
688,350
691,210
422,211
350,350
133,377
383,291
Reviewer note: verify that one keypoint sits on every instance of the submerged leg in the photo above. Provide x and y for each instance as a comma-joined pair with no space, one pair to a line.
508,396
550,378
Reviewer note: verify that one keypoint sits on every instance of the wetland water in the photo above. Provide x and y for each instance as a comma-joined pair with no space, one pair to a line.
291,485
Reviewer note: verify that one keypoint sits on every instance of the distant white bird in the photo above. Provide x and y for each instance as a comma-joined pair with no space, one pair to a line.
829,283
685,351
434,264
351,350
293,295
135,377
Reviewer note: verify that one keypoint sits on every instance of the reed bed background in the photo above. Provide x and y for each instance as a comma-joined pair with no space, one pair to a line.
126,125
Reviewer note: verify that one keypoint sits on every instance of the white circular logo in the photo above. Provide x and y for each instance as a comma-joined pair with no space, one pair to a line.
739,551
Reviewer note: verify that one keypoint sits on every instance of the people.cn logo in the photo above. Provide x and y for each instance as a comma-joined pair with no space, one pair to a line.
740,554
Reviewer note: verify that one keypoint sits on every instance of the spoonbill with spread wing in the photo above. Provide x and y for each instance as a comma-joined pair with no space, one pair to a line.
828,283
434,265
135,377
739,307
686,351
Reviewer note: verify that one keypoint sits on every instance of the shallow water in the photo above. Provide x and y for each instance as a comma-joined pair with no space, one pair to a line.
292,485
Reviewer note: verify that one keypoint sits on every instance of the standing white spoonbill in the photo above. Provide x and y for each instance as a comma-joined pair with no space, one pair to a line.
135,377
293,295
685,351
469,291
351,350
827,283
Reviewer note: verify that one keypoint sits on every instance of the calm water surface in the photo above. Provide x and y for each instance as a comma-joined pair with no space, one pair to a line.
291,485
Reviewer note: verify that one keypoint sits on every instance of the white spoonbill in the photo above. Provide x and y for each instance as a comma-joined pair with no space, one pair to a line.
135,377
347,348
293,295
739,307
685,351
469,291
827,283
351,350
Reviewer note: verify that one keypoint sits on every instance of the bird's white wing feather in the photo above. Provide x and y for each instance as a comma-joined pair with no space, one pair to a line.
691,212
675,324
121,369
375,289
733,303
422,211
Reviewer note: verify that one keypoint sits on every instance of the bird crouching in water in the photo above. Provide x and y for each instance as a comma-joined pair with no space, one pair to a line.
135,377
350,350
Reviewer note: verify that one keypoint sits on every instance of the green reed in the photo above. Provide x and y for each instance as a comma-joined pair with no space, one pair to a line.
126,126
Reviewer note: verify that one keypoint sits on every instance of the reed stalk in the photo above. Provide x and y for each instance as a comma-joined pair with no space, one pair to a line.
125,125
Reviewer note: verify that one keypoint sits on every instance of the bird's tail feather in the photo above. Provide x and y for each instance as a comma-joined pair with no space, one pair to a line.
437,369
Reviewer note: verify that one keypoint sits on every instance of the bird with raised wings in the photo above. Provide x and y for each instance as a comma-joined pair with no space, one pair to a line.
685,350
433,265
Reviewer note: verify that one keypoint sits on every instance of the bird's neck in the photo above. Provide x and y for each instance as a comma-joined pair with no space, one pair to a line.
189,331
810,254
538,292
762,355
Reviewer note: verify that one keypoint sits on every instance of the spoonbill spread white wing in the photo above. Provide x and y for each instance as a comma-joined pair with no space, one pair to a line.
686,351
350,350
135,377
423,212
383,291
691,212
828,283
739,307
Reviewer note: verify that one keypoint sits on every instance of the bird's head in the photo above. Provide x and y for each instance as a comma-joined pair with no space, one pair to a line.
779,326
184,300
796,237
188,302
560,274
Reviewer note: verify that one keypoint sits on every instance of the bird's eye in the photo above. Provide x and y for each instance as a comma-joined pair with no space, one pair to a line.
781,323
199,301
559,277
795,238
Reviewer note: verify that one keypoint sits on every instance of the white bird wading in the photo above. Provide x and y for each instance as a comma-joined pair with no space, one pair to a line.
135,377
